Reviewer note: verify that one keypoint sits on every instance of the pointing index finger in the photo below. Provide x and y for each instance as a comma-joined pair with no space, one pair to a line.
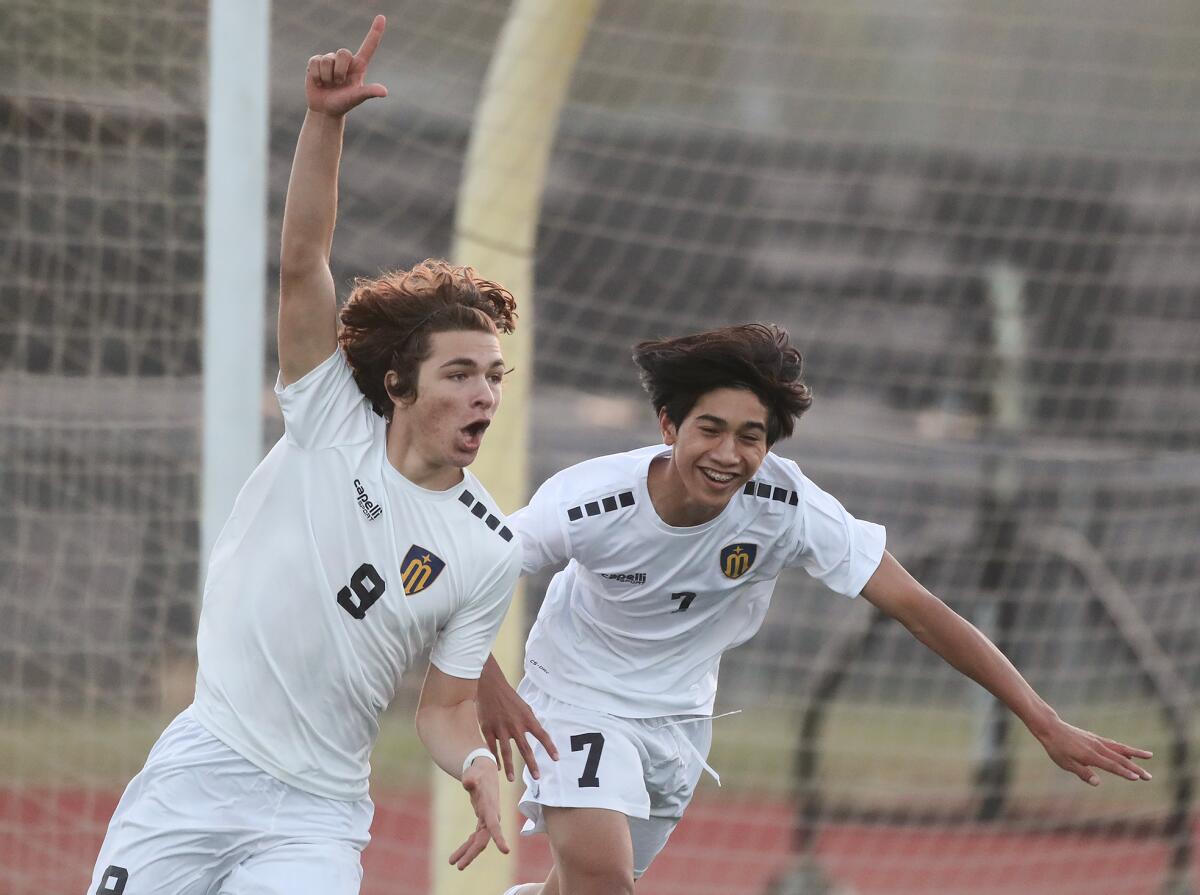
371,41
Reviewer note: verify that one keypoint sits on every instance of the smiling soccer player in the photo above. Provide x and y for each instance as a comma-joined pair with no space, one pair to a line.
672,554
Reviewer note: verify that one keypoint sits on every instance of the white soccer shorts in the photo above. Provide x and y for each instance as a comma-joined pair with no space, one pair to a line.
201,820
646,768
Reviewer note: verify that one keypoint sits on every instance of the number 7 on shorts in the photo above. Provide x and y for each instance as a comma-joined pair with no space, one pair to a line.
595,745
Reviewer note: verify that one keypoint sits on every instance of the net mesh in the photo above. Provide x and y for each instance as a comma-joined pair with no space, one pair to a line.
980,222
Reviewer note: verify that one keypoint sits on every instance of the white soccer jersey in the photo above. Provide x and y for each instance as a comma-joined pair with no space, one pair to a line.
332,575
636,623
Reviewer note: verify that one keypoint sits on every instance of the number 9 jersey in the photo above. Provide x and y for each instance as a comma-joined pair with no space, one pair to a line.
636,624
332,576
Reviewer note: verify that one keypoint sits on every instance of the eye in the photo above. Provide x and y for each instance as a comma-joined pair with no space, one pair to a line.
458,377
709,430
496,378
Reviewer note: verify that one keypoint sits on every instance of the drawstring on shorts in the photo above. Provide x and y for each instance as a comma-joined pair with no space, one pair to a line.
681,740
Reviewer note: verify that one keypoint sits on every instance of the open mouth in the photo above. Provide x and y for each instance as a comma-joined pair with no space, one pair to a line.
472,435
717,478
477,428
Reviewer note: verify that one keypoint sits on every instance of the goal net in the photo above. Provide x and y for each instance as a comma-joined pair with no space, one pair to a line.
979,220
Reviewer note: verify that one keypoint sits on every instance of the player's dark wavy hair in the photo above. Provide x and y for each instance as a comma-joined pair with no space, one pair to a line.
759,357
387,322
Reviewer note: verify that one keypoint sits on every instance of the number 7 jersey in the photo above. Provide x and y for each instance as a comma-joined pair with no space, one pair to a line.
636,624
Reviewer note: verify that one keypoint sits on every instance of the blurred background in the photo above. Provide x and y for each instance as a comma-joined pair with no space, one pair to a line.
979,220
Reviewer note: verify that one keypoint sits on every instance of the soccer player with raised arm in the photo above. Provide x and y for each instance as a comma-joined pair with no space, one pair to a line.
360,541
672,553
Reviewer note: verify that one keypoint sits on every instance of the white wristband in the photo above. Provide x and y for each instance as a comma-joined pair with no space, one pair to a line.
481,752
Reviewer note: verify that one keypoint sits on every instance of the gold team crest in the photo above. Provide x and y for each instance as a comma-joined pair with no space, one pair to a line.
736,559
419,569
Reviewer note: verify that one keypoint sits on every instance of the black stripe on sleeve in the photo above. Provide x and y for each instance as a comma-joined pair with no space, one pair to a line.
478,509
607,504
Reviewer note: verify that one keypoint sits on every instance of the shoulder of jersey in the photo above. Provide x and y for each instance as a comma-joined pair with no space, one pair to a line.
602,487
480,512
776,487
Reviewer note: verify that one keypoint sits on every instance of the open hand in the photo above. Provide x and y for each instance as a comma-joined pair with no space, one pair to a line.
481,782
334,83
1078,751
504,719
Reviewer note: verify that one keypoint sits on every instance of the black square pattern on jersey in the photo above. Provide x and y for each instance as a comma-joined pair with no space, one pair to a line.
479,511
773,492
606,504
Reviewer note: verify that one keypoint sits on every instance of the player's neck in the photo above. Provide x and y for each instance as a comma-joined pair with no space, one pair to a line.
671,499
407,459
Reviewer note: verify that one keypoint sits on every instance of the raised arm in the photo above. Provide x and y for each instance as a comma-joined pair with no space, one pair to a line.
964,646
334,84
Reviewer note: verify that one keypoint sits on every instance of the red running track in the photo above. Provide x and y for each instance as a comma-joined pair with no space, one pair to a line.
48,840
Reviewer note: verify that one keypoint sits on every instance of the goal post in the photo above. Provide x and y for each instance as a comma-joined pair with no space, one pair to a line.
495,230
235,256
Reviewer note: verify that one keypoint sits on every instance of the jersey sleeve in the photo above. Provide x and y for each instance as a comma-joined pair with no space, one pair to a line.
840,551
463,644
541,527
324,407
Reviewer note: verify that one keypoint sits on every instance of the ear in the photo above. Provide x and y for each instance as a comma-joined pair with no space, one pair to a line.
391,382
670,433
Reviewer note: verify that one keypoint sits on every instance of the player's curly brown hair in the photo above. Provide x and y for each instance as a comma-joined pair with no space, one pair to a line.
387,322
759,357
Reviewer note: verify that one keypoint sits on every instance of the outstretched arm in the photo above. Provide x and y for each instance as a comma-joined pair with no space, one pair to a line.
446,725
334,84
893,590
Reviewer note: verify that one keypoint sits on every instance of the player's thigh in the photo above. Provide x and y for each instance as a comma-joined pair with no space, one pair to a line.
600,765
677,755
298,868
171,833
592,849
137,860
648,836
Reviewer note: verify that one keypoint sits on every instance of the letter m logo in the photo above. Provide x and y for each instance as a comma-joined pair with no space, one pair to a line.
736,559
419,569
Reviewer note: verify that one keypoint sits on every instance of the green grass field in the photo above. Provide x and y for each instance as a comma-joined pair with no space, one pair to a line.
872,754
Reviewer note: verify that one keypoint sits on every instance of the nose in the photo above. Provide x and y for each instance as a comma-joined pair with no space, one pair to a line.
485,396
725,452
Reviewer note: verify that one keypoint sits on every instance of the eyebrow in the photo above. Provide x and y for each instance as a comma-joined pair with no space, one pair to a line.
469,362
716,420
